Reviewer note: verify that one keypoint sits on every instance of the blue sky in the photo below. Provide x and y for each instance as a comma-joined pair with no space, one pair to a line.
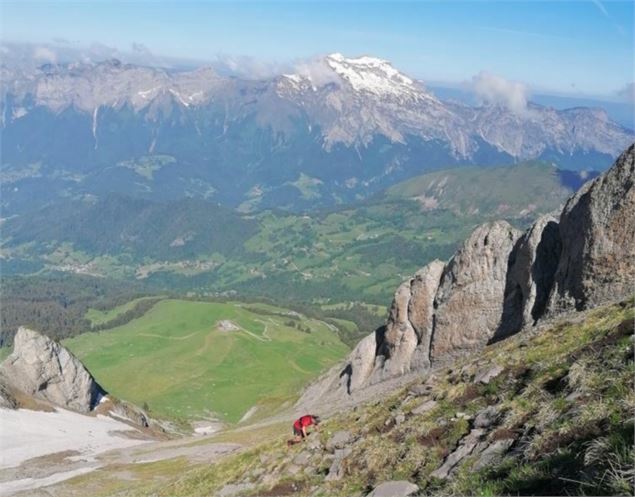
568,46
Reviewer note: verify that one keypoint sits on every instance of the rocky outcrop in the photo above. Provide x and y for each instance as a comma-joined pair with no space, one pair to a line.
469,301
501,281
597,228
406,340
42,368
394,489
532,267
7,400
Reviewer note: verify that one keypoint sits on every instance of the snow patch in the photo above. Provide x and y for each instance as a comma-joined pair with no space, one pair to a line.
26,434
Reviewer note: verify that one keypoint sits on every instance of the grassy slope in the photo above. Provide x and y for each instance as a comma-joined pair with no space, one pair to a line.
510,191
563,445
176,360
95,316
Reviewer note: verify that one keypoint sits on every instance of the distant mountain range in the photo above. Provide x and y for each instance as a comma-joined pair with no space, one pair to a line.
336,130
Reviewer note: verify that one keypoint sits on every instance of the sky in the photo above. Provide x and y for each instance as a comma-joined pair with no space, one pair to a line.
573,47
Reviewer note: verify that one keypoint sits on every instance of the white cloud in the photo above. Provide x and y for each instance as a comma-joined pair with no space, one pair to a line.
492,89
247,67
44,54
317,71
628,93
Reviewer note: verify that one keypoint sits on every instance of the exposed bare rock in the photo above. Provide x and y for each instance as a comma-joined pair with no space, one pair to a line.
43,368
394,489
499,282
7,400
493,453
339,440
426,406
532,267
336,471
406,343
487,374
421,310
465,448
597,227
486,417
470,297
361,363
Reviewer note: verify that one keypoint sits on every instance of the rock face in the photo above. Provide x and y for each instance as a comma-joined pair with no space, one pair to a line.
7,400
532,267
406,341
43,368
470,297
597,227
394,489
501,281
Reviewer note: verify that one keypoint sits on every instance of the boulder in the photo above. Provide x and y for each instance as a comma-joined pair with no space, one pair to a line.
401,488
597,229
339,440
493,453
419,390
336,471
428,405
45,369
469,302
486,417
465,448
302,459
486,375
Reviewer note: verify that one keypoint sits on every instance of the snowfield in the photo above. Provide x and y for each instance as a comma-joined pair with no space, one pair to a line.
26,434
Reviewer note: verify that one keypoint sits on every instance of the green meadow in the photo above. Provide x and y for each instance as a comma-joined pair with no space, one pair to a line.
96,317
180,361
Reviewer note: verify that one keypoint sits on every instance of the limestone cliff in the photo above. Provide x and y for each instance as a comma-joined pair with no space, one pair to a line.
499,282
41,367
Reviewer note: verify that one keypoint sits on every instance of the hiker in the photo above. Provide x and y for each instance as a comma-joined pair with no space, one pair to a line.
300,426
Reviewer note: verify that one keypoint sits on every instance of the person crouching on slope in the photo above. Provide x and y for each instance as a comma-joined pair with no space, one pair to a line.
300,425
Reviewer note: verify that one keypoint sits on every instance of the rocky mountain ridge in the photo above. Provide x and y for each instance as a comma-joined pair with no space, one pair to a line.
499,282
334,131
349,99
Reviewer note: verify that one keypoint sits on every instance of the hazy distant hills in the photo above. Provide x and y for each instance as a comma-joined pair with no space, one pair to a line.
335,131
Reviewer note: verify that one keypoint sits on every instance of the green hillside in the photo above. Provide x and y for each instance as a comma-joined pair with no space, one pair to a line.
182,362
514,191
564,398
360,252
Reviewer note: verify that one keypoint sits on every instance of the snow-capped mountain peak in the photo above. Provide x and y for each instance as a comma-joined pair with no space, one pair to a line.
371,74
365,75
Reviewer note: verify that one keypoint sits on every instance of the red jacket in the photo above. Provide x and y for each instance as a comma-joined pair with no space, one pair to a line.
303,422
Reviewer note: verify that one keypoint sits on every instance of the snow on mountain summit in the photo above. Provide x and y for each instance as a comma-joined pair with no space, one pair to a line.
365,74
372,75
